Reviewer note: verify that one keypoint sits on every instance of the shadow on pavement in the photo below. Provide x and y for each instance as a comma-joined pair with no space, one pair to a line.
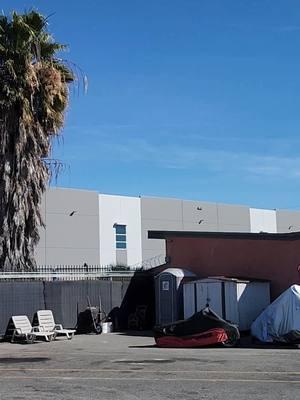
247,342
136,333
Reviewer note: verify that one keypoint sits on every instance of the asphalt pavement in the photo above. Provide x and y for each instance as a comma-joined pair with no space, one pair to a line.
120,366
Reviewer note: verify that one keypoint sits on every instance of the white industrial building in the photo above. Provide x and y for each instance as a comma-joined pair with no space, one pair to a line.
100,229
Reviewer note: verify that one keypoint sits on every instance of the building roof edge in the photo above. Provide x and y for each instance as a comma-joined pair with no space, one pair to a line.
224,235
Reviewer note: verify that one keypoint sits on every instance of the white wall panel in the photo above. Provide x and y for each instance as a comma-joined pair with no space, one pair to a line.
124,211
263,220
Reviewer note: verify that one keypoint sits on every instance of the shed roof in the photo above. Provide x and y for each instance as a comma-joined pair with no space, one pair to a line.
179,272
225,235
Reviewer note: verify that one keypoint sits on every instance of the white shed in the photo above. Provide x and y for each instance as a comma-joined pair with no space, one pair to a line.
236,300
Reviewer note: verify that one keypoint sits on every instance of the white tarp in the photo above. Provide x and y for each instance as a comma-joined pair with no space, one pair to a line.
280,317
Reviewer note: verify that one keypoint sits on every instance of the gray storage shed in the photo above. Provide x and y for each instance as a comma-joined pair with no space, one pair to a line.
237,300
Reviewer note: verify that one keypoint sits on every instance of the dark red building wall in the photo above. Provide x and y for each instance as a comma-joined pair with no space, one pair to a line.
275,260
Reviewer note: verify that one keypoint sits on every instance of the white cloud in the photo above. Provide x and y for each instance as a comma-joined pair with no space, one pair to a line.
209,155
190,157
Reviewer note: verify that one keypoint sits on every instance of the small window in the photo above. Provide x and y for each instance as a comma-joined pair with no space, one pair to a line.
121,245
120,229
121,239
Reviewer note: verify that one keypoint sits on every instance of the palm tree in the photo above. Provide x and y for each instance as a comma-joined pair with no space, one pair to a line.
33,97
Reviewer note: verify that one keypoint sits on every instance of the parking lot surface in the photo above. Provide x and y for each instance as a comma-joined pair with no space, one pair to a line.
119,366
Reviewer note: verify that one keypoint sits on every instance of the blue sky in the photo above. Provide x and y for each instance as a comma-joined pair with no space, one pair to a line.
187,98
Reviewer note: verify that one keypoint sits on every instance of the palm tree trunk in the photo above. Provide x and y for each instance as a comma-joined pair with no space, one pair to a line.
23,180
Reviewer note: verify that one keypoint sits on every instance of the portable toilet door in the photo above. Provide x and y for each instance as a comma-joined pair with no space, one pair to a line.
166,299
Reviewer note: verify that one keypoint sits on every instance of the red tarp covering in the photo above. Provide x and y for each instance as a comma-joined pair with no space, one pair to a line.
212,336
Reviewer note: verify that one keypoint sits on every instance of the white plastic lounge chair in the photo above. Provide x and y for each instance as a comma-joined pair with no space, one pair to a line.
24,330
46,320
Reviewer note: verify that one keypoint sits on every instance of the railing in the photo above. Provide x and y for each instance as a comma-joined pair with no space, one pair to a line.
68,272
82,272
